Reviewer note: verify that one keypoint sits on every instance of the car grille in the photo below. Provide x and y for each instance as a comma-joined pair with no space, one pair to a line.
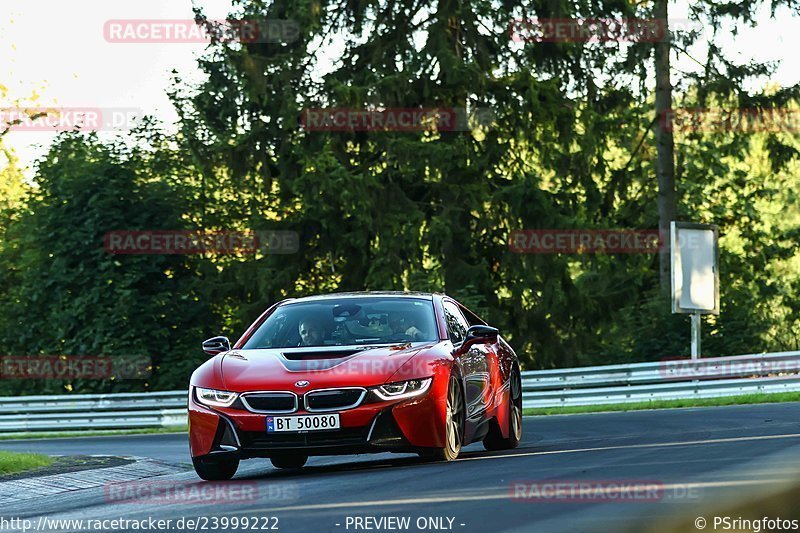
272,402
334,399
259,440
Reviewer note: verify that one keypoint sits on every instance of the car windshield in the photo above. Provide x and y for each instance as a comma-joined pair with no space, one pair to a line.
347,322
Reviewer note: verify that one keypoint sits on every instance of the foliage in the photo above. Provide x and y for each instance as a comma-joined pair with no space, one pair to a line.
71,297
569,145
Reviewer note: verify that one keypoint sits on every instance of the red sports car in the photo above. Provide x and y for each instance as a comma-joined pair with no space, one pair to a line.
354,373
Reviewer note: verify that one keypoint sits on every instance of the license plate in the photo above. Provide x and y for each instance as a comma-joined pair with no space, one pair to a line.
277,424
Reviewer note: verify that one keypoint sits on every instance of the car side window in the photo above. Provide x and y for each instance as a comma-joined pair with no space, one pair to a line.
456,324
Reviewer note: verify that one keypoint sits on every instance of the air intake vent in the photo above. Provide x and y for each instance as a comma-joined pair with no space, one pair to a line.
270,402
334,399
306,355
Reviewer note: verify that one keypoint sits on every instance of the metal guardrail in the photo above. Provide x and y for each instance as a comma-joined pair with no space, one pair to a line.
663,380
595,385
92,411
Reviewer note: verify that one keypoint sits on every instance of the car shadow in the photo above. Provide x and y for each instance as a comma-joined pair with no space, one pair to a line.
361,466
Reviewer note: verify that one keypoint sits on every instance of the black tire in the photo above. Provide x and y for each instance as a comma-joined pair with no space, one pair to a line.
454,425
215,469
288,460
494,440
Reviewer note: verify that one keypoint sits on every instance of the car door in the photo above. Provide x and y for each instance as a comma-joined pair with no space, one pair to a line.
474,362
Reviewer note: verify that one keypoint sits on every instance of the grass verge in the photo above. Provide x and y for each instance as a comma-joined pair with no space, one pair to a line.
12,463
92,433
667,404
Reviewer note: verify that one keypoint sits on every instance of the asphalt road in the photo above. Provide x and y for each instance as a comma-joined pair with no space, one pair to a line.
693,457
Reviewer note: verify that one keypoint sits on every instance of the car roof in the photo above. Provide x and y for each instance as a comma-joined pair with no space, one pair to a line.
365,294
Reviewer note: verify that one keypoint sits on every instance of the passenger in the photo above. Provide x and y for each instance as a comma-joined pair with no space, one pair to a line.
310,332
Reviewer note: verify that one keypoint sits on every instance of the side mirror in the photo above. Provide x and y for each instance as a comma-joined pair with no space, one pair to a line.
216,345
481,333
478,334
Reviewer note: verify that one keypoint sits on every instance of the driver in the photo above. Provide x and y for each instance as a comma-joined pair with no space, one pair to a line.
402,324
310,332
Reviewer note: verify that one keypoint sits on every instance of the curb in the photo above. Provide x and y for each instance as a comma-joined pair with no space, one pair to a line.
20,490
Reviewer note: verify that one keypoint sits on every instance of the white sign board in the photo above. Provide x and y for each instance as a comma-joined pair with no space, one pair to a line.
695,268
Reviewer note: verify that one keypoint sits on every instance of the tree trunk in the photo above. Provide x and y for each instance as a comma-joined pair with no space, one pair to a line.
665,146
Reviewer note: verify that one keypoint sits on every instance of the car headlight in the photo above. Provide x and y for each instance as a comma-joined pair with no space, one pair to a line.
403,389
215,398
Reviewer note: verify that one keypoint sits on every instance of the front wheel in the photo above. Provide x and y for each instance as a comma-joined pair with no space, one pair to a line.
454,424
215,469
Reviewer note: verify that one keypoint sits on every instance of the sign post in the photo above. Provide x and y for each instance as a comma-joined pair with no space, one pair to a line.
695,273
695,335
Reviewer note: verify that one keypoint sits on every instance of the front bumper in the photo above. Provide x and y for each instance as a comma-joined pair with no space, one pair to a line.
396,426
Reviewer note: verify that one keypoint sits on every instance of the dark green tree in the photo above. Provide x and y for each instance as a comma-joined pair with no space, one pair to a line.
70,296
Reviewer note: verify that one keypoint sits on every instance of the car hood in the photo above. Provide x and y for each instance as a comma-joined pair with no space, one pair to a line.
335,366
